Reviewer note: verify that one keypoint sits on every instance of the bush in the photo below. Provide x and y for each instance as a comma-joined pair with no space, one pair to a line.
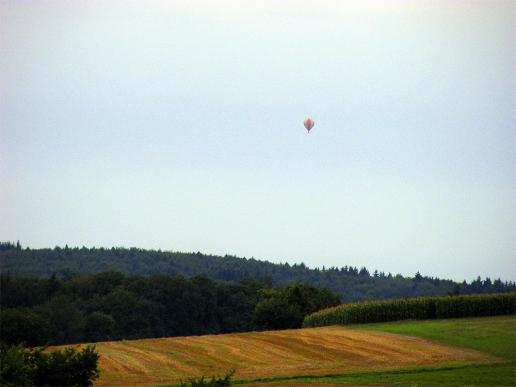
214,382
415,308
15,369
27,367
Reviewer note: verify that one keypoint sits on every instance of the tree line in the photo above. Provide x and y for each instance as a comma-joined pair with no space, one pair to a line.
115,306
350,282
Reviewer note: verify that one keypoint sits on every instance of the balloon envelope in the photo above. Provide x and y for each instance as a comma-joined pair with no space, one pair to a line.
309,123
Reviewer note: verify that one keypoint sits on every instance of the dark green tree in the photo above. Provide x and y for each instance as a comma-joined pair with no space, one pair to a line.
99,327
65,319
286,308
23,326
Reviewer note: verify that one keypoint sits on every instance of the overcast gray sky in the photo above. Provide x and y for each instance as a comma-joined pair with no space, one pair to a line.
178,125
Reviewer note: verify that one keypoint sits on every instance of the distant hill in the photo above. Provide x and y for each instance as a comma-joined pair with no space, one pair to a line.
351,283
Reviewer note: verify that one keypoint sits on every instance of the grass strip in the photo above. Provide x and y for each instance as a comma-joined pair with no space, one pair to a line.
452,375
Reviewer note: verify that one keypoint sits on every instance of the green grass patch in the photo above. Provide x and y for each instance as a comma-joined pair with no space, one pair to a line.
477,375
493,335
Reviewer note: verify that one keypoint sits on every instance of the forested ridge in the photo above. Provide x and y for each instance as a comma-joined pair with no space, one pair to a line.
351,283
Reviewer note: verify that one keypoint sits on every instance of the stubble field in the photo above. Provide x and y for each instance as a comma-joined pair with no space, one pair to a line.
274,354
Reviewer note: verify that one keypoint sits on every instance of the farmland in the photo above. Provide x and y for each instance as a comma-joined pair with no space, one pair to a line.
356,354
418,308
491,335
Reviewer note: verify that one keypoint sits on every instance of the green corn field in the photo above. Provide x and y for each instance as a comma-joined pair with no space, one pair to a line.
418,308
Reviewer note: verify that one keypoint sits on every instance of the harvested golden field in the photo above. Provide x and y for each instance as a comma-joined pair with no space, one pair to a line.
314,351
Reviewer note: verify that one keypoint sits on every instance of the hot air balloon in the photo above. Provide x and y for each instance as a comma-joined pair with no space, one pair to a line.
309,124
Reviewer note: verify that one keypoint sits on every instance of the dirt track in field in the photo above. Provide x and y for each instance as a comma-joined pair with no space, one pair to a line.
315,351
